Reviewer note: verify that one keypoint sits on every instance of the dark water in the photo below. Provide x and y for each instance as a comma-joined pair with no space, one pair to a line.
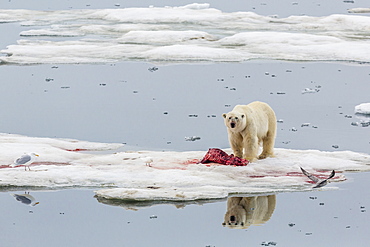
127,103
76,218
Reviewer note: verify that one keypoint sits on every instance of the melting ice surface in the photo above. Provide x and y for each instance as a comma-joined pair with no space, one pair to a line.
173,176
190,33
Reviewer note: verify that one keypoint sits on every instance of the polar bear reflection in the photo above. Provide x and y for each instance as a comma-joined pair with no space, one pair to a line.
243,212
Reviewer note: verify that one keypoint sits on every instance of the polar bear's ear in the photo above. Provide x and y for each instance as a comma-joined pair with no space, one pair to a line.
243,116
224,115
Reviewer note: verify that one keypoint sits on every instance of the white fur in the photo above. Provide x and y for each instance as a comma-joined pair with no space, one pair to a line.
251,125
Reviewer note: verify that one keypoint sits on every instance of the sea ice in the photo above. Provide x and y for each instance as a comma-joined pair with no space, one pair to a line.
175,176
363,108
191,33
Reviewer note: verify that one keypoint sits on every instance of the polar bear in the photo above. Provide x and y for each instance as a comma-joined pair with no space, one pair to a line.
243,212
251,125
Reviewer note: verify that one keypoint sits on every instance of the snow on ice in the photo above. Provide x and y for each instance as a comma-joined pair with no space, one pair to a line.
363,109
191,33
174,176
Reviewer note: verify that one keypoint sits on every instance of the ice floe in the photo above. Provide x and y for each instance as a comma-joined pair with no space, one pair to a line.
359,10
363,108
191,33
174,176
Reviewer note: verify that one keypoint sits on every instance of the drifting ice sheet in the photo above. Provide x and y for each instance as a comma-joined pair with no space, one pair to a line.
191,33
172,176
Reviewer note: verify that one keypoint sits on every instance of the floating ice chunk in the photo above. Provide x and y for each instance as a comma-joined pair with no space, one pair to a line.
365,124
192,138
310,90
174,176
363,108
153,69
359,10
280,121
305,124
196,6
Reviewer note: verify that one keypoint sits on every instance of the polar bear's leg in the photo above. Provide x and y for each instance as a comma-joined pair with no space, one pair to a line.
236,143
268,145
250,148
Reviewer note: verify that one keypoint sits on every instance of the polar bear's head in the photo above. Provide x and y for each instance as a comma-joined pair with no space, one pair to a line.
236,217
235,121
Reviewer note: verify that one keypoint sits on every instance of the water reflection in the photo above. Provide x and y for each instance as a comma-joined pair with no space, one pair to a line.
26,199
243,212
137,205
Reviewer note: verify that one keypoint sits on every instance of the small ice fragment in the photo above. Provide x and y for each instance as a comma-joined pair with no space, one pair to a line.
267,73
365,124
153,217
233,89
314,126
291,224
135,91
359,10
280,121
309,90
192,138
347,116
153,69
335,146
293,129
117,5
193,115
49,79
269,243
305,124
354,123
280,92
